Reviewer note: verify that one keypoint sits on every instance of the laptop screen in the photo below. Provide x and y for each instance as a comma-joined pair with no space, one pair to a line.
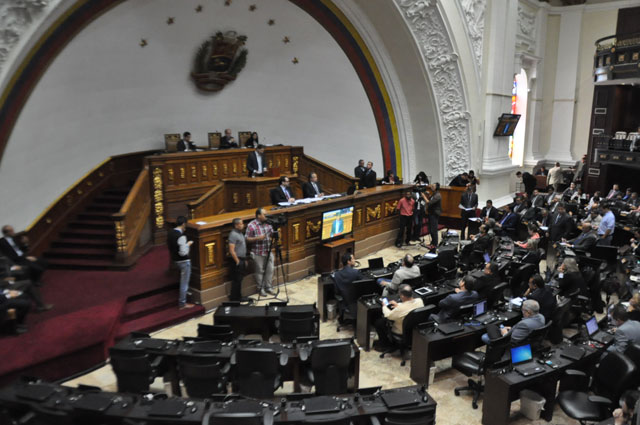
479,308
592,325
521,354
376,263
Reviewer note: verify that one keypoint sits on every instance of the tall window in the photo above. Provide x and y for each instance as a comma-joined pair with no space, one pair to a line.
519,96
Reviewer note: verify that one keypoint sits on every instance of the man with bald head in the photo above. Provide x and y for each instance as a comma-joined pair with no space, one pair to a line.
408,270
227,141
585,240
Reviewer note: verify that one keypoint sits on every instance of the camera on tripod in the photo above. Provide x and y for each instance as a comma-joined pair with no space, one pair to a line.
277,221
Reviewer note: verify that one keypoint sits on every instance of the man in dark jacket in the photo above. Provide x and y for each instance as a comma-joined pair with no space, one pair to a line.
368,178
538,291
529,182
489,279
449,306
561,224
344,278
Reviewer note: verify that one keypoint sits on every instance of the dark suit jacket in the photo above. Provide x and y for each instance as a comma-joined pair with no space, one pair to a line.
529,182
225,142
182,146
585,241
252,163
572,281
537,201
560,227
510,222
278,195
493,213
358,172
546,299
450,305
368,179
308,191
7,250
343,279
469,200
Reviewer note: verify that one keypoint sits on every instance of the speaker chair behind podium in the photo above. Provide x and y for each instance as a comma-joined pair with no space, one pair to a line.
243,136
214,140
257,372
330,363
135,370
171,142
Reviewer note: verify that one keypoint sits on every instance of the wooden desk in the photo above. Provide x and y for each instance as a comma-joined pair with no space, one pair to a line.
329,254
375,219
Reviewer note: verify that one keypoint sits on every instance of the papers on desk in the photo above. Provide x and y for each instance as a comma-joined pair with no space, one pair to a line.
478,219
305,201
544,228
466,209
430,255
517,301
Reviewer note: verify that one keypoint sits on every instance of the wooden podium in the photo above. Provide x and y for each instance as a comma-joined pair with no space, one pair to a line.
328,255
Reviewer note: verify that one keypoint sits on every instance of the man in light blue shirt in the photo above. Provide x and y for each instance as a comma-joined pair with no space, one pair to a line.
607,225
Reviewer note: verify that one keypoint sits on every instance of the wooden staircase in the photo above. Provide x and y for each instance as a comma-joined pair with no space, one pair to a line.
89,241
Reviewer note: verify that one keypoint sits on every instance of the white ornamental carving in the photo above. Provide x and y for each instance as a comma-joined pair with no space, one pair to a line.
473,14
526,29
428,28
16,16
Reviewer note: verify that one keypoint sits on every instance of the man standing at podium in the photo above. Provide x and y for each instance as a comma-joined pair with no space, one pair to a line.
259,235
256,163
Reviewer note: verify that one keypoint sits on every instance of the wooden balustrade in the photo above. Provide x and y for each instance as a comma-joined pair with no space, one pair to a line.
331,179
211,203
133,216
117,170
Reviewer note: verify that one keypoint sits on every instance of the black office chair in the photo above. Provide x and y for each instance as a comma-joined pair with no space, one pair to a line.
416,282
203,375
560,319
520,279
330,362
494,297
537,336
294,324
421,415
614,374
222,333
411,320
135,369
257,372
447,262
633,353
474,363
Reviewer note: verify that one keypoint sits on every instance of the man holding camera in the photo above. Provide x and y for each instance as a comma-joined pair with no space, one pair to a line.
259,234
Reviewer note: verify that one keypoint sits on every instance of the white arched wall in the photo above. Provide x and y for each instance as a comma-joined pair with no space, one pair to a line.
105,95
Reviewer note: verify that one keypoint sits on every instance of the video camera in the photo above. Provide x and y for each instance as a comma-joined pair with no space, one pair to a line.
277,221
419,188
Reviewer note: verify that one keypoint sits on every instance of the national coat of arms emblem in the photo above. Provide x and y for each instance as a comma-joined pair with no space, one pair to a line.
219,60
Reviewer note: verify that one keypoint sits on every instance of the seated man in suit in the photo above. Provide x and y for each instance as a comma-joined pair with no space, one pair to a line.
12,299
368,178
539,292
585,240
408,270
9,248
344,278
465,294
186,145
489,279
9,281
537,200
312,188
627,331
282,193
531,320
227,141
489,211
256,162
395,312
507,225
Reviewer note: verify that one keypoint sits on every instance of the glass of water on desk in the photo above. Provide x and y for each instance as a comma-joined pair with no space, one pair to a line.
510,304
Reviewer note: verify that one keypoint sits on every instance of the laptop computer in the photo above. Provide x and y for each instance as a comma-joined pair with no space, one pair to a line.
376,266
394,399
480,313
572,352
595,334
522,361
450,328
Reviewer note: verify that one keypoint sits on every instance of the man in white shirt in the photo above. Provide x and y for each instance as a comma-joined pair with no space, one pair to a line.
555,177
395,312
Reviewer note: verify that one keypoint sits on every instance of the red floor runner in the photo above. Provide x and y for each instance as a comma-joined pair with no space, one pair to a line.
87,312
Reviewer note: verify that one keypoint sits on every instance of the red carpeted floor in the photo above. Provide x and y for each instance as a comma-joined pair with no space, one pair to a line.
91,309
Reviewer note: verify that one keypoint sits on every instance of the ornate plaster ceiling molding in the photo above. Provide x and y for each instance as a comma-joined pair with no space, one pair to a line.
425,21
473,14
17,17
